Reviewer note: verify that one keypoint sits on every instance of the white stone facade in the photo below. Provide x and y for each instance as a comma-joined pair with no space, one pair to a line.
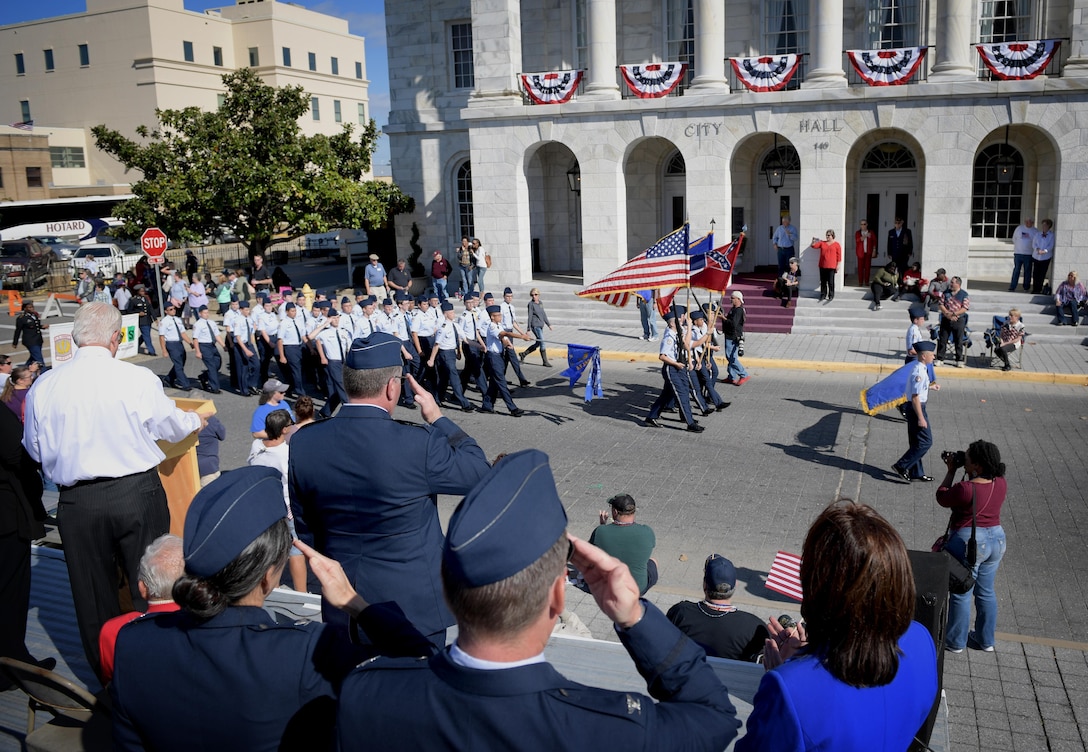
625,149
121,59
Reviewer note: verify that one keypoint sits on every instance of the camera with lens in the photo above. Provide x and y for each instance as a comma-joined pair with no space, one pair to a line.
958,458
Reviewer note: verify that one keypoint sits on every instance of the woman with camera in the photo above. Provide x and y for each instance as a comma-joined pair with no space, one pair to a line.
984,487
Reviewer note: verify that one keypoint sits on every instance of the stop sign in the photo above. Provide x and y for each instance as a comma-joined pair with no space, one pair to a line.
153,242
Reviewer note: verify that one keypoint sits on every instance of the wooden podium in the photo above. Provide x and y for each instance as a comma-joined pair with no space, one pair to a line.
179,473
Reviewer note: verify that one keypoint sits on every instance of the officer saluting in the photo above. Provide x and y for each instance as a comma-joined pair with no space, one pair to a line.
503,573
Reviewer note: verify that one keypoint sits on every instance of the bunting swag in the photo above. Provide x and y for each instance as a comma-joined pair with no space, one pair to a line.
1017,61
653,80
887,67
767,73
551,88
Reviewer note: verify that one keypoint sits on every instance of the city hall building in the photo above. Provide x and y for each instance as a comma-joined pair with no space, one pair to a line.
963,149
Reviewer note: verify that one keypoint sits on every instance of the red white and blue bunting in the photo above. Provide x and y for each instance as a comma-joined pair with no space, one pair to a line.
551,88
766,73
1016,61
887,67
653,80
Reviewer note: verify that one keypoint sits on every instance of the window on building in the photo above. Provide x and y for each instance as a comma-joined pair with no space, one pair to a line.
336,111
315,108
889,156
334,64
254,57
785,31
48,60
67,156
20,64
581,35
358,70
24,110
680,32
220,100
33,177
786,158
187,52
217,56
995,207
1005,21
464,74
893,23
313,61
362,114
465,220
286,57
676,165
84,56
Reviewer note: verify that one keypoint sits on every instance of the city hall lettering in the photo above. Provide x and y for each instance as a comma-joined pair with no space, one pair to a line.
702,129
820,126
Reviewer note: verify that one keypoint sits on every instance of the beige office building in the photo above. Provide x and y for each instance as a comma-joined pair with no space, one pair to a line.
581,187
123,59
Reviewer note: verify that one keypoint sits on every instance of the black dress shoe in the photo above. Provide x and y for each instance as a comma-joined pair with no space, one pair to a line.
707,412
651,423
924,478
408,405
525,383
901,473
213,391
517,412
696,428
468,409
485,410
722,406
546,364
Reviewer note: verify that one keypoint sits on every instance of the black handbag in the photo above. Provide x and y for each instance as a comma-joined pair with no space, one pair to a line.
961,576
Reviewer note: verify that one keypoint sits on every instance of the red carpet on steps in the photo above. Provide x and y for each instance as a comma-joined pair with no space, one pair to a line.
765,312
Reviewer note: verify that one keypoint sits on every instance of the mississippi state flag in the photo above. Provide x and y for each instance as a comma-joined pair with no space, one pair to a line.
718,271
1015,61
653,80
785,575
551,88
887,67
766,73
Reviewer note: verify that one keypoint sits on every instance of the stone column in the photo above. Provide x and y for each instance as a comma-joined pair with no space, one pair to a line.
954,56
1077,64
496,52
826,71
709,48
601,81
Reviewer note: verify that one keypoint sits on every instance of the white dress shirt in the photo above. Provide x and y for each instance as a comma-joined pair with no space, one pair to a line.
99,417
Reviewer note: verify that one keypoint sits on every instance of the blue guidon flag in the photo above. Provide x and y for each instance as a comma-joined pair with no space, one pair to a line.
580,357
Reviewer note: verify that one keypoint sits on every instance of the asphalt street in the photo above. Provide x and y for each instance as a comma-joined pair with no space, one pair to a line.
792,442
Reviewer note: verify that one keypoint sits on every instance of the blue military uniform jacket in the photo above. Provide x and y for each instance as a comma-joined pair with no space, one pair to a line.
399,704
239,681
364,491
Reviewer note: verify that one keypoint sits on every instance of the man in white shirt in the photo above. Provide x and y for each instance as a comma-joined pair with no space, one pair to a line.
1042,254
112,504
1022,240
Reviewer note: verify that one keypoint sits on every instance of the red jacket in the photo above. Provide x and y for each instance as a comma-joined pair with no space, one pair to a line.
830,253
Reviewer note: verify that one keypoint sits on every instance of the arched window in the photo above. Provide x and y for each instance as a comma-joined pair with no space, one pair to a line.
888,156
676,165
995,205
787,159
465,219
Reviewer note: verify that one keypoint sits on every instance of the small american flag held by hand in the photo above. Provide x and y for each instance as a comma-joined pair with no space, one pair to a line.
785,575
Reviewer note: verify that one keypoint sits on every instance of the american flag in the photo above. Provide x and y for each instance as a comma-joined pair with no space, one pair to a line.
664,264
697,251
785,575
25,125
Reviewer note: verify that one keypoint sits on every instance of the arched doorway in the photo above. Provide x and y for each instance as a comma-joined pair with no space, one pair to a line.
774,203
655,177
674,207
555,208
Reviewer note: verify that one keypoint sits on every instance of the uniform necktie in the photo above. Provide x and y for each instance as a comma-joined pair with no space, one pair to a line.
340,344
299,334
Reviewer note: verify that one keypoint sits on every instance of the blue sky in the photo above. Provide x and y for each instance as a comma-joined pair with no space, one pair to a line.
365,18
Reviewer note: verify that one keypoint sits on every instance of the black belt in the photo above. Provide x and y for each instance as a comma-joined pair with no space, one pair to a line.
96,481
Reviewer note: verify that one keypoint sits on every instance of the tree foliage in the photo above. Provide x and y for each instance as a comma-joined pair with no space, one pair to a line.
247,167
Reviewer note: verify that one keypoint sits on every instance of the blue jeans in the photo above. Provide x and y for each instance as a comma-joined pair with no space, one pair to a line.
784,255
145,335
990,547
34,353
736,370
1021,261
1071,309
468,279
440,288
646,313
480,272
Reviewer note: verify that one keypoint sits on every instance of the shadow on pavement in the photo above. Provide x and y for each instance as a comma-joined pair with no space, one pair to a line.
755,583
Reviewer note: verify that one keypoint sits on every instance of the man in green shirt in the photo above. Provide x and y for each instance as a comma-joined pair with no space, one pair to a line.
628,541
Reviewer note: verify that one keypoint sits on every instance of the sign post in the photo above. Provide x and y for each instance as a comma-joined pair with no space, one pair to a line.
153,243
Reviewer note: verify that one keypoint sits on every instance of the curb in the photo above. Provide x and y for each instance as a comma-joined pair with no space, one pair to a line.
879,369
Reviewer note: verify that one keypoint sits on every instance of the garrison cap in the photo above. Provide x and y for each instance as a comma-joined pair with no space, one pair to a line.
323,304
493,309
289,306
698,314
507,291
924,346
387,301
201,308
679,310
506,522
243,304
345,299
379,350
332,312
446,306
402,296
228,514
488,296
916,311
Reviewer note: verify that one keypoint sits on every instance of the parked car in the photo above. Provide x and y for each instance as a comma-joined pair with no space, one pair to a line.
61,248
128,246
109,257
24,263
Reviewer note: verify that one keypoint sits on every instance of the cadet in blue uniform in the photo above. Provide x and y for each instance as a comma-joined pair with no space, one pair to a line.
470,325
675,370
446,353
909,467
332,344
222,673
172,340
206,333
495,346
704,355
503,572
289,340
379,516
245,352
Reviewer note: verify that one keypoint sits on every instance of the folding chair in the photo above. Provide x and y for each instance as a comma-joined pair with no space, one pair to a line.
992,338
80,721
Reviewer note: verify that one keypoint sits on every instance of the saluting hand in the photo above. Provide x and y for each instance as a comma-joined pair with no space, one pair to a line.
428,408
335,585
